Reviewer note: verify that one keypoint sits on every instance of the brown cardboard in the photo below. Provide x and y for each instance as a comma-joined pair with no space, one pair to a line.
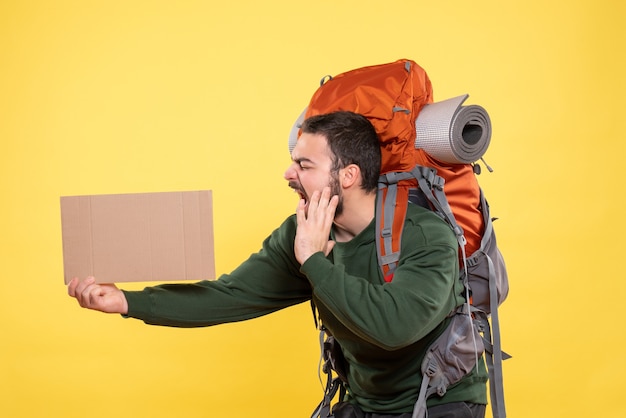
138,237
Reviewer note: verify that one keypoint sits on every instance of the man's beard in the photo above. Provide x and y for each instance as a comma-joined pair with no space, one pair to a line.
335,189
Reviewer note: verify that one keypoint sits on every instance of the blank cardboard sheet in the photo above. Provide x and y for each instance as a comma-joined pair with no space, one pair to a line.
138,237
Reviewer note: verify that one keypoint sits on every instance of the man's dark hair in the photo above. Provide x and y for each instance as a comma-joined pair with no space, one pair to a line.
352,140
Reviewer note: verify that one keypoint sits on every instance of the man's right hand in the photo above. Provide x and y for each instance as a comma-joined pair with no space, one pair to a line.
100,297
314,225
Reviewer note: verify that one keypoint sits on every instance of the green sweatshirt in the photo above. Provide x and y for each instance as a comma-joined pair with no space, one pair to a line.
383,328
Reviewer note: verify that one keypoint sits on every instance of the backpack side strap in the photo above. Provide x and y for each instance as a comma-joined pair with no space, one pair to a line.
486,317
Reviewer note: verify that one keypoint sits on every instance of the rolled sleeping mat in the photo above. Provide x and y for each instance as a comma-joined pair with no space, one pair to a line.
453,133
446,130
293,134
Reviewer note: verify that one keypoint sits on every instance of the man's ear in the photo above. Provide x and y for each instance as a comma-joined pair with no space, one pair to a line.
351,176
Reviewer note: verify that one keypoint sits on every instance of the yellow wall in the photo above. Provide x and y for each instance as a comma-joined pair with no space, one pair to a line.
137,96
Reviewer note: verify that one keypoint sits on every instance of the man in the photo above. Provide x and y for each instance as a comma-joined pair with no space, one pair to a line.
327,252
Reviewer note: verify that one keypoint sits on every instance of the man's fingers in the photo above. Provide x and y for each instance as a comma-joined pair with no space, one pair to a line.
314,204
320,205
88,295
300,212
71,287
325,197
82,290
76,286
320,210
332,207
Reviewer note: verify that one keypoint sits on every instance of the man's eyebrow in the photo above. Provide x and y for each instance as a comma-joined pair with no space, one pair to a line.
300,160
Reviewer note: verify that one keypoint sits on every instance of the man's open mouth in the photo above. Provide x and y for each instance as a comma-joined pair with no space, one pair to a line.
296,188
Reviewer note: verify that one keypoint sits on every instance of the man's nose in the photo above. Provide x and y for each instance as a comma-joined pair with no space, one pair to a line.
290,173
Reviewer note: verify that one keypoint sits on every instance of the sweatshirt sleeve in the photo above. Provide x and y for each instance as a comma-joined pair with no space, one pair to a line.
393,315
266,282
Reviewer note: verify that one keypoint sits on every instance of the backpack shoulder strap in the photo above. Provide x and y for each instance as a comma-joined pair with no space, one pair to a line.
391,207
394,192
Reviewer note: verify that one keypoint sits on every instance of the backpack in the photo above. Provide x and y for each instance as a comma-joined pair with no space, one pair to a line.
429,153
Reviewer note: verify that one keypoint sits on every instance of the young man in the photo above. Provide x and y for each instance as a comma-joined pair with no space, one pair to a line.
327,252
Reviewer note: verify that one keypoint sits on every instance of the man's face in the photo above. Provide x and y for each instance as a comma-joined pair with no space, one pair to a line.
311,168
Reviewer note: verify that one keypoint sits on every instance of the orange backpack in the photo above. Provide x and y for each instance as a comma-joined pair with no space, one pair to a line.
391,96
429,152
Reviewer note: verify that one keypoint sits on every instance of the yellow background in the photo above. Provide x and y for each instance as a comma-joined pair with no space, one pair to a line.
139,96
